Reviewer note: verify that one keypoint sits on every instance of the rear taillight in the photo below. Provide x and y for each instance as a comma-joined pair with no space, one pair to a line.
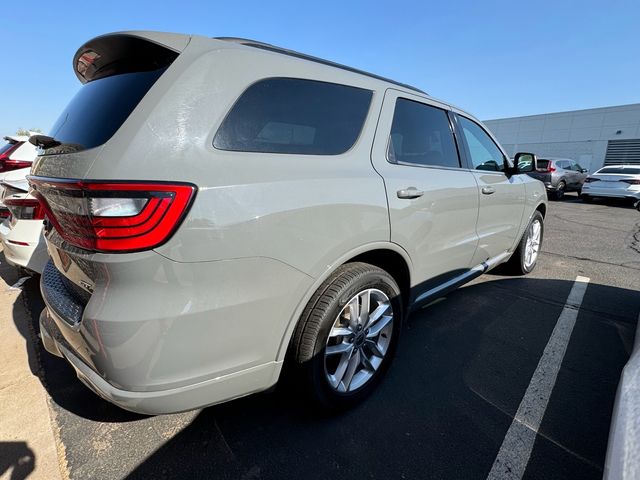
7,164
590,180
114,217
549,168
24,208
631,181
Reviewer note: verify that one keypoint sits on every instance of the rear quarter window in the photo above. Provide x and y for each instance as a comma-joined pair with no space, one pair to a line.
295,116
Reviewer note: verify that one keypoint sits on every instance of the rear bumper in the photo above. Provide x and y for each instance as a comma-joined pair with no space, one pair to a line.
172,400
32,256
158,336
631,193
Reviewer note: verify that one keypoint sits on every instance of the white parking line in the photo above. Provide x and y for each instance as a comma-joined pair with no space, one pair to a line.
517,445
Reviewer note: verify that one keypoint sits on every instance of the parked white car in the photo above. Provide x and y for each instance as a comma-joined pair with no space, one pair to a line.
16,153
617,181
21,233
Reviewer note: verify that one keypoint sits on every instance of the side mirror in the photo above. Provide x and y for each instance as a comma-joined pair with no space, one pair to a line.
584,170
525,162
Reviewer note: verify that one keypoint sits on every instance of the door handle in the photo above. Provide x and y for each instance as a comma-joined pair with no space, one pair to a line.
409,193
488,190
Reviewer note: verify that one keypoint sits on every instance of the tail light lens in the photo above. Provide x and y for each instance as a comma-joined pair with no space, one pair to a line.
631,181
7,164
24,208
114,217
548,169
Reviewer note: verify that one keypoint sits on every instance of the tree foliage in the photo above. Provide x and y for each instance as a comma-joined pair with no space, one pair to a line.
22,131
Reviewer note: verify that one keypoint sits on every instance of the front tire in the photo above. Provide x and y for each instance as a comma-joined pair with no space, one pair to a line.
525,257
347,336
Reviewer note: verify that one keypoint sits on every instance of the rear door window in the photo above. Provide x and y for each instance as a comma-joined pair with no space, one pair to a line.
295,116
421,135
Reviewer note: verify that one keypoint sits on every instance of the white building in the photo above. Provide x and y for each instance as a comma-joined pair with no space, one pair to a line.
594,137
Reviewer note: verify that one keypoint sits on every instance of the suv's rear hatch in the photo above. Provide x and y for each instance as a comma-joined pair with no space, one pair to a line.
543,171
117,72
105,215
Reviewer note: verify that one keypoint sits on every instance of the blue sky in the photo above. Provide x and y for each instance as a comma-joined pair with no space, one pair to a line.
494,59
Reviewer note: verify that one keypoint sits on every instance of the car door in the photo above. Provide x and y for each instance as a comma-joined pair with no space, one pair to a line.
579,175
570,174
502,196
433,201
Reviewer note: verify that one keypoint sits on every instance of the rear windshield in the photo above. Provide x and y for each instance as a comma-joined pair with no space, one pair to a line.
101,107
620,170
7,146
543,164
288,115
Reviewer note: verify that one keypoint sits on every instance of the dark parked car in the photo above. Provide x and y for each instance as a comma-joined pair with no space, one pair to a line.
560,175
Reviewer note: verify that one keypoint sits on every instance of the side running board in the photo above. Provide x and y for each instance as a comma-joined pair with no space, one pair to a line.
450,285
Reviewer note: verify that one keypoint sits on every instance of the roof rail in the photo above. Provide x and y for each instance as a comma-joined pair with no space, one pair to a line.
293,53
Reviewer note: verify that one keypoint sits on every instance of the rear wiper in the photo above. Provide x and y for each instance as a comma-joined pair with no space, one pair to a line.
44,141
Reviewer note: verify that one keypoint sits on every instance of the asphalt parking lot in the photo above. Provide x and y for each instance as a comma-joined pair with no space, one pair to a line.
462,369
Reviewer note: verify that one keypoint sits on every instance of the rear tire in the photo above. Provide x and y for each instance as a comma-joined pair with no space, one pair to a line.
339,350
560,190
525,258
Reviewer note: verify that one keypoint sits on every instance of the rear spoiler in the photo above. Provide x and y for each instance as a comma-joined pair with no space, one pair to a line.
125,52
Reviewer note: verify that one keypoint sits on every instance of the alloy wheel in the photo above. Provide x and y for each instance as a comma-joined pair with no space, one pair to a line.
358,340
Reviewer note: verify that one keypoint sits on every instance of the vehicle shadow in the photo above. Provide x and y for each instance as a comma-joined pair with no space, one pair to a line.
15,279
17,457
611,202
442,411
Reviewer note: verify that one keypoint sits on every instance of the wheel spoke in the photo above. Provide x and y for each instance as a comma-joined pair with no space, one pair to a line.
339,348
366,363
340,332
365,299
354,362
375,330
377,314
375,349
336,378
354,313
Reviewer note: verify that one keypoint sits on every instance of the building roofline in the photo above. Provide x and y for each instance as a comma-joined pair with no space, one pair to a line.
568,112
